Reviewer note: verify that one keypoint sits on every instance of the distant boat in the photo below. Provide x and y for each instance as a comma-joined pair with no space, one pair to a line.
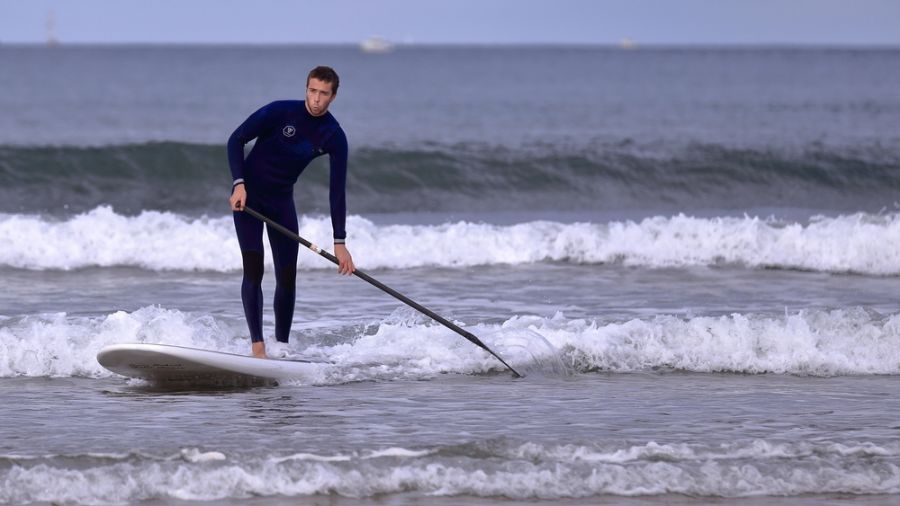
52,41
376,45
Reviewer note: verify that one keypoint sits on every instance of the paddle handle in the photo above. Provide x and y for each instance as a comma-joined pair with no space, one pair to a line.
378,284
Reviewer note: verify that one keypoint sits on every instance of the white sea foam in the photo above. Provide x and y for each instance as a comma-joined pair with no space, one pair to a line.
859,243
499,470
821,343
195,455
314,457
62,345
397,452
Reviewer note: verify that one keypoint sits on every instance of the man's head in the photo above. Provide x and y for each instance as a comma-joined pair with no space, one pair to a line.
321,89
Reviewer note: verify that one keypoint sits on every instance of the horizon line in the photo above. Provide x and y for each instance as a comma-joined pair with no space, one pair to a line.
630,46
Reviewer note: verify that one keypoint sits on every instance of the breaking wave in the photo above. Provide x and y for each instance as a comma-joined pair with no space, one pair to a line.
859,243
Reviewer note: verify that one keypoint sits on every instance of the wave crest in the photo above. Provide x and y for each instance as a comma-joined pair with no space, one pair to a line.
859,243
819,343
499,469
467,177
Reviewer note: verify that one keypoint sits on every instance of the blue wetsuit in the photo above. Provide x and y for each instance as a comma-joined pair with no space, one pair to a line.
287,140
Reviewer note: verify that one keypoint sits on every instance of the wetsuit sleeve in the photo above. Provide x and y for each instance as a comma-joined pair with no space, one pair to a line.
337,196
250,129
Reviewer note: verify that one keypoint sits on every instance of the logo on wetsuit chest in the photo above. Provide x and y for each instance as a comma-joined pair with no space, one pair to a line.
289,131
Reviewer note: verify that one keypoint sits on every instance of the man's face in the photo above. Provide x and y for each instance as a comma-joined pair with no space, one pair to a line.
318,96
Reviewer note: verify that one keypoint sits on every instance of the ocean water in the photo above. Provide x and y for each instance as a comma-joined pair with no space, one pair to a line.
692,254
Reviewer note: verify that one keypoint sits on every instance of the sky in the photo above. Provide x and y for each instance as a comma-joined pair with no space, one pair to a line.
651,22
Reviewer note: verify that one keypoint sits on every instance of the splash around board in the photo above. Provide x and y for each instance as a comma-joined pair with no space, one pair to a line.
165,364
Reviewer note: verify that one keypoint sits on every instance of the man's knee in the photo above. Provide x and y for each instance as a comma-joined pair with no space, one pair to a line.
286,276
253,266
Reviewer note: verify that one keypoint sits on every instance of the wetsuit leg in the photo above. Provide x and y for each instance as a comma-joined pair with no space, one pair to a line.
249,232
284,256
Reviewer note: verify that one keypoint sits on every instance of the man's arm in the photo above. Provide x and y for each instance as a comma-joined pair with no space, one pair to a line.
250,129
337,197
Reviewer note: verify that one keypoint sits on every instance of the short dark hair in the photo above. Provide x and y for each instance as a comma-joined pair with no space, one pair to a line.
325,74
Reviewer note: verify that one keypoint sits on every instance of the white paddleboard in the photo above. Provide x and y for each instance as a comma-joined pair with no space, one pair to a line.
168,364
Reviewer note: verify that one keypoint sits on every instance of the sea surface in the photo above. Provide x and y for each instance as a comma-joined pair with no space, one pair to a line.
692,254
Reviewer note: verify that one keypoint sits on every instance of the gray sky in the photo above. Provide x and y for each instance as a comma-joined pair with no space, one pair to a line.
829,22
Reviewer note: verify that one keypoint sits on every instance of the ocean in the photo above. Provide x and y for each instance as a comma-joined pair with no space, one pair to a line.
693,255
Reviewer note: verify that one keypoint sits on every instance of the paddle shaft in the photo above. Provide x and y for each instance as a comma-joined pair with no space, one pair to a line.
378,284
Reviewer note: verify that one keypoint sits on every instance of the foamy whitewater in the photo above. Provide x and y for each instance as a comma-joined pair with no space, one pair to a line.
504,469
817,343
858,243
692,255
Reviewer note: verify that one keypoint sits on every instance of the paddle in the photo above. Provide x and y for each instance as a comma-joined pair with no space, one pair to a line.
374,282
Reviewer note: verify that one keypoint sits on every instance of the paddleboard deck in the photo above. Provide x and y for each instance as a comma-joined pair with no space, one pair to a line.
167,364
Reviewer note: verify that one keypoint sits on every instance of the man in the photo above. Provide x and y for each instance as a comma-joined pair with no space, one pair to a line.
289,134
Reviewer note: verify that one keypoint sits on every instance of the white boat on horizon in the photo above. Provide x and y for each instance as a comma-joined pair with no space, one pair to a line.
376,45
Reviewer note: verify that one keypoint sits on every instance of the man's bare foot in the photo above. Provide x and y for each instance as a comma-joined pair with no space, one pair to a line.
259,349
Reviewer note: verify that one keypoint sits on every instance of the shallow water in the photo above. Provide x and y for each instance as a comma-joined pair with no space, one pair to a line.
662,434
